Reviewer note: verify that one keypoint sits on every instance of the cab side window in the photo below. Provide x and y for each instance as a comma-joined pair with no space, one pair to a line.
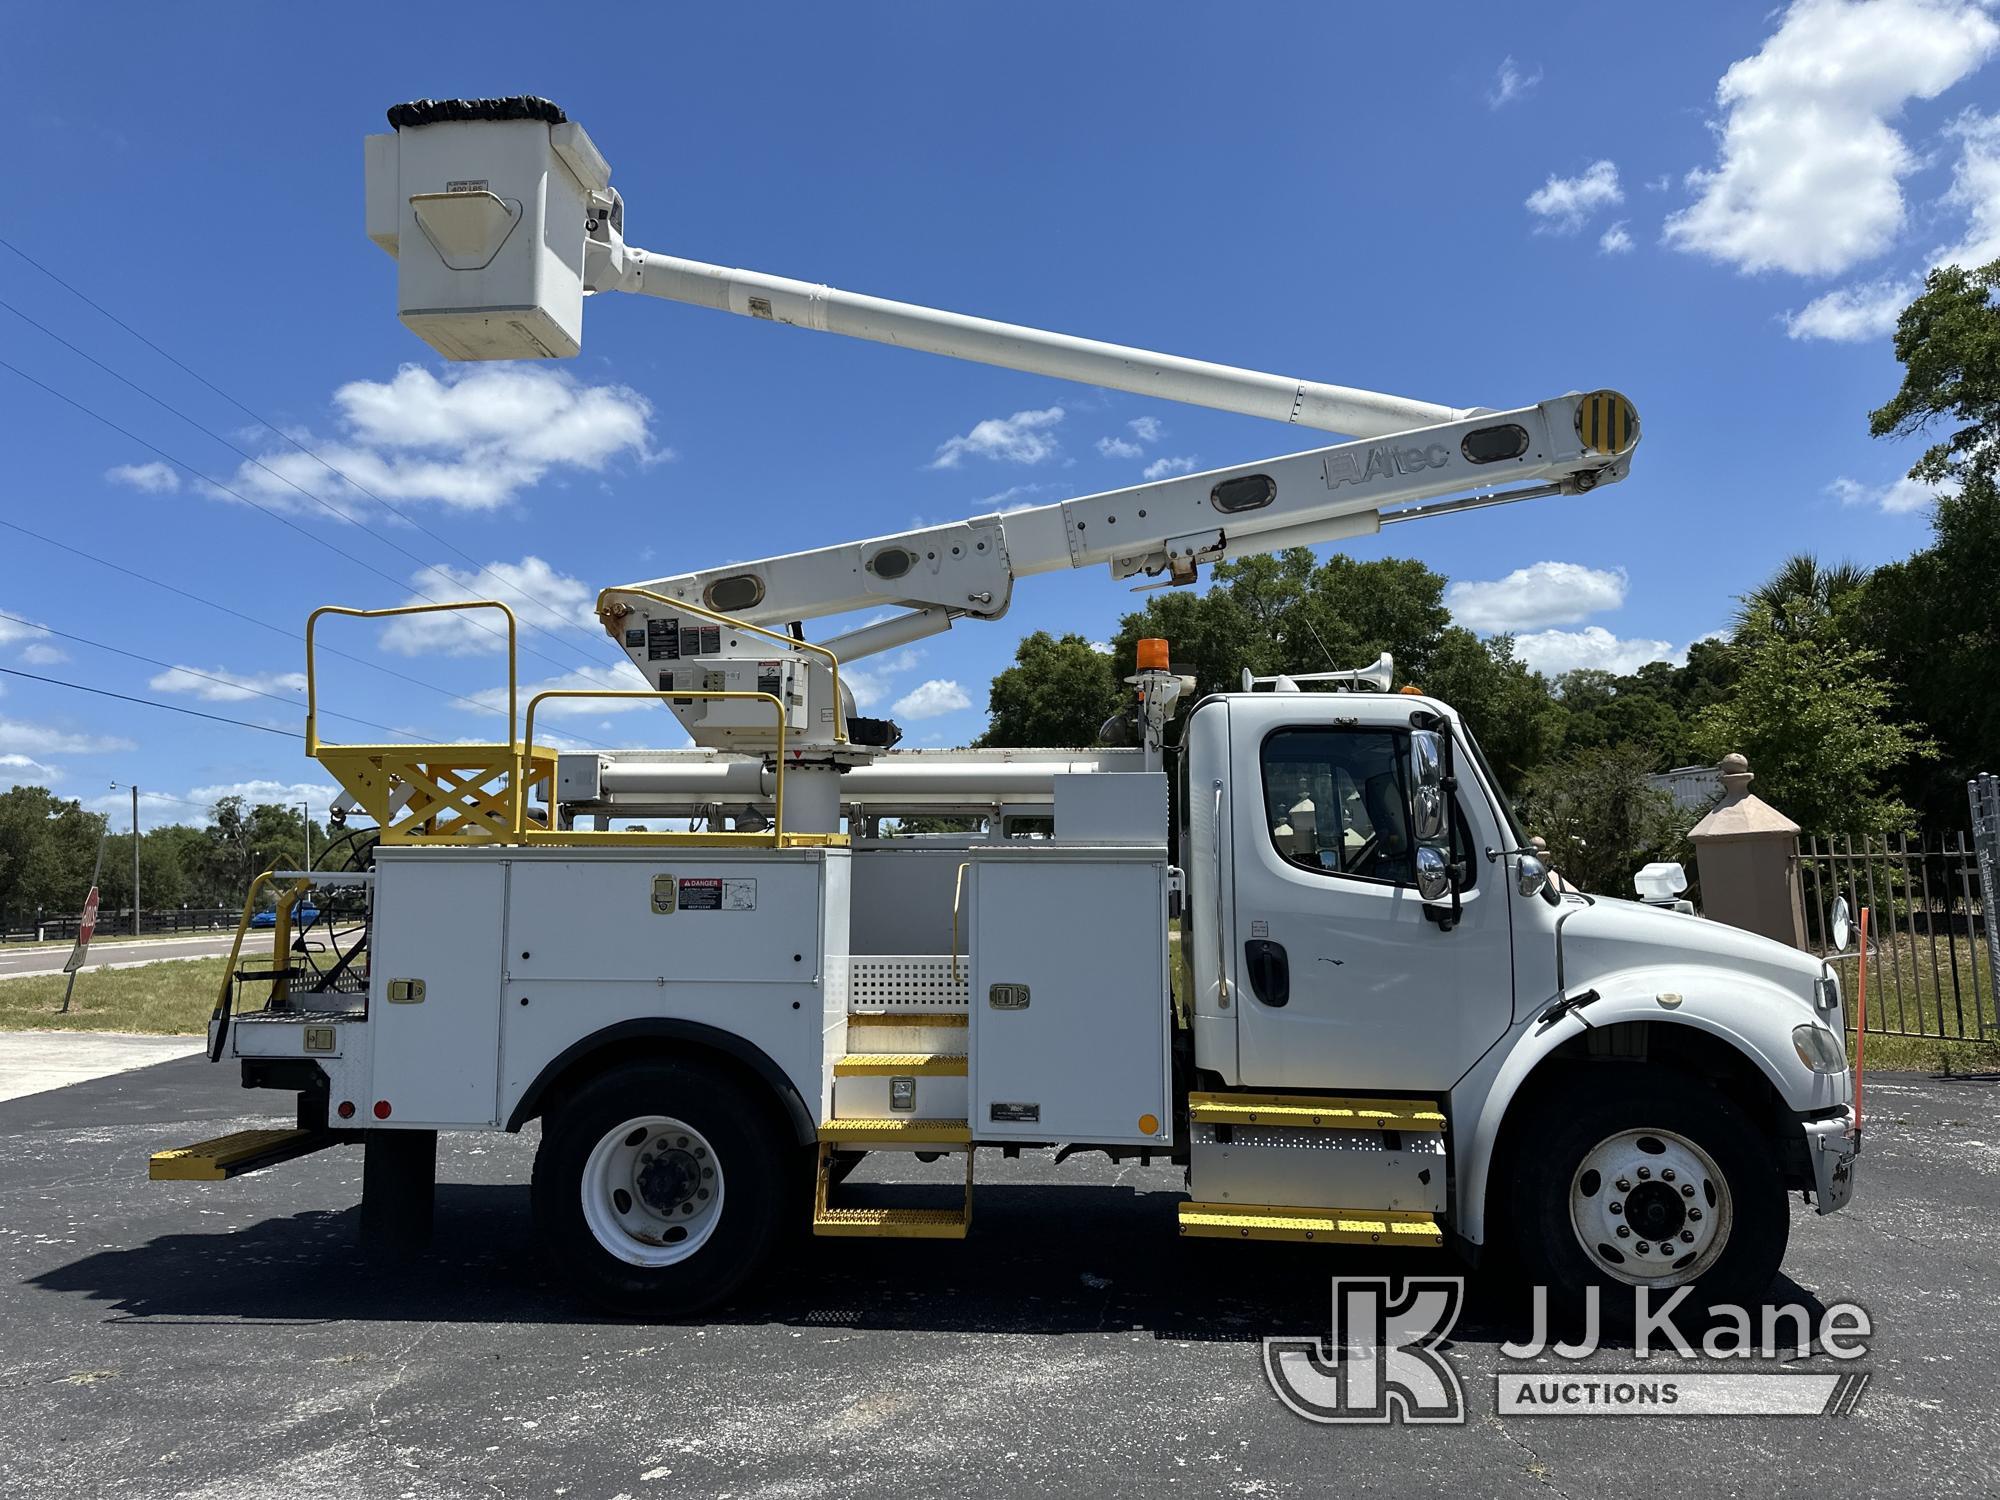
1336,802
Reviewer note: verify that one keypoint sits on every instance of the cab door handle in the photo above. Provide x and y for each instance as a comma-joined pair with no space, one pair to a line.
1269,971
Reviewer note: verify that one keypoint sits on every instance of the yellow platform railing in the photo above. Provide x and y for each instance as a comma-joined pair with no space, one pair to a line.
432,794
480,794
281,943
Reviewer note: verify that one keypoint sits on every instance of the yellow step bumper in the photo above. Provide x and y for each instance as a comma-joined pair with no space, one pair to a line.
232,1155
1316,1112
900,1064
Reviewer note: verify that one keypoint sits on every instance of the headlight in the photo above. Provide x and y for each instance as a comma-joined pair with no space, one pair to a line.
1819,1048
1826,993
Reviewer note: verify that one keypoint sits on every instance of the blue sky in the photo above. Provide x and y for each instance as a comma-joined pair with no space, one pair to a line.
1713,208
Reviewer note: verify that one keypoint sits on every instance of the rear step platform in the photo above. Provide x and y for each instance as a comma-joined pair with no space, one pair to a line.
890,1222
1325,1226
232,1155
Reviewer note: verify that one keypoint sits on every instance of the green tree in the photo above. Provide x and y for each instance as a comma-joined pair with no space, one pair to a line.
1936,615
1601,820
1819,727
47,844
1802,598
1059,691
1506,705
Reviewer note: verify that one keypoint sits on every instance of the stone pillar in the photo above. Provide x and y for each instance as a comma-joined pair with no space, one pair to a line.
1747,853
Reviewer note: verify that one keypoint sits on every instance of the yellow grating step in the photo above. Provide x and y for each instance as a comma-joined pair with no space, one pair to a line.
835,1220
896,1132
232,1155
907,1018
891,1223
900,1064
1310,1112
1326,1226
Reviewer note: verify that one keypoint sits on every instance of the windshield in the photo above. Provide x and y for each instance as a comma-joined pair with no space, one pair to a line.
1493,785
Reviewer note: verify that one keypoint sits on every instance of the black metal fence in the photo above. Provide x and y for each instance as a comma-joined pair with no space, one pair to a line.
61,928
1929,972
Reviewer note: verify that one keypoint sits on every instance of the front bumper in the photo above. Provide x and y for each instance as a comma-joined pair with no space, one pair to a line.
1833,1145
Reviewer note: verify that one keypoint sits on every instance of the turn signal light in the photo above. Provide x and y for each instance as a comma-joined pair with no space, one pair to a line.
1153,654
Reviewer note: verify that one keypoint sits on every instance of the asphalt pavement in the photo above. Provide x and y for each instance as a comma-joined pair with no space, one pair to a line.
22,963
229,1340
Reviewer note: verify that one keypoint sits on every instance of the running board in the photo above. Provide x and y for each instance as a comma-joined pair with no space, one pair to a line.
232,1155
1316,1112
1324,1226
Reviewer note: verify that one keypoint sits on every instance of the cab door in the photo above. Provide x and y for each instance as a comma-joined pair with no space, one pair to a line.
1344,979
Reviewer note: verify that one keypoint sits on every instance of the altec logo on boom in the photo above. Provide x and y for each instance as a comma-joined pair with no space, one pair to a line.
1385,1363
1385,461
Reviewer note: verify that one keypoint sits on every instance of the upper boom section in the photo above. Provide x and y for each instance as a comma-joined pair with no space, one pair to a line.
501,215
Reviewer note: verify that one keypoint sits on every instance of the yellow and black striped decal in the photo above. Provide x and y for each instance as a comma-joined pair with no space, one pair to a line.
1606,423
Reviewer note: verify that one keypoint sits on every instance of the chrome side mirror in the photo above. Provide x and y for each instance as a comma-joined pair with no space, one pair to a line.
1433,873
1533,876
1427,811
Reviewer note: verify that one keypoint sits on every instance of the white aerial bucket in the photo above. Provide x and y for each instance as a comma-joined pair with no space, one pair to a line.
483,202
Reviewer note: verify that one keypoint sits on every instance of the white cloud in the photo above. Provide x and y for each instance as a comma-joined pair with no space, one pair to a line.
870,684
1617,240
1661,183
931,699
540,596
471,439
1027,437
1510,83
1166,468
20,767
155,478
1975,191
1147,429
1850,314
1898,498
220,685
1116,447
1545,593
1554,652
40,655
196,803
1808,176
1868,310
16,630
1563,203
40,739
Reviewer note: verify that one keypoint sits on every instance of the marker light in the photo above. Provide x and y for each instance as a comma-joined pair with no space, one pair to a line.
381,1109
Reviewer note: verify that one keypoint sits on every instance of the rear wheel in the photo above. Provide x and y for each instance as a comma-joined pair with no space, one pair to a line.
660,1187
1652,1183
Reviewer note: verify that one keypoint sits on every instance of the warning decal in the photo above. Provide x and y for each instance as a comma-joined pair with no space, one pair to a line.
698,893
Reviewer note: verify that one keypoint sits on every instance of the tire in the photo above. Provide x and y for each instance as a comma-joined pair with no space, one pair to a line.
661,1187
1711,1190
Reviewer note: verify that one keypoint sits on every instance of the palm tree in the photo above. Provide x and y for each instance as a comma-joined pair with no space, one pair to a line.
1799,598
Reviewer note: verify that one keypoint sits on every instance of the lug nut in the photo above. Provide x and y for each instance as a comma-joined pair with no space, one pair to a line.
1624,1231
1687,1236
1644,1173
1615,1208
1687,1190
1694,1213
1624,1184
1642,1247
1668,1175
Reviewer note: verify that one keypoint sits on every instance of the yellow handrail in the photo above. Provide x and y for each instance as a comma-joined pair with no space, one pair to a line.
312,676
526,751
833,661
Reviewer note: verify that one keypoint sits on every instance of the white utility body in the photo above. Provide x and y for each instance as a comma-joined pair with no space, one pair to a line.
1294,940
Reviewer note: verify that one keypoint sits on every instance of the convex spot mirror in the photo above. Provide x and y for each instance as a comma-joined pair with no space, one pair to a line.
1433,873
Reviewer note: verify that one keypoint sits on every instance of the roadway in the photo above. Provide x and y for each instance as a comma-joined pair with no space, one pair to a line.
25,963
228,1340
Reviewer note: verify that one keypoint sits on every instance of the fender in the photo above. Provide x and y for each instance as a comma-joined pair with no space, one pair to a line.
669,1029
1752,1015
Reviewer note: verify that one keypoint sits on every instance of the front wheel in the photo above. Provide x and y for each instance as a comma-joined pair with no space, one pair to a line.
1626,1183
660,1187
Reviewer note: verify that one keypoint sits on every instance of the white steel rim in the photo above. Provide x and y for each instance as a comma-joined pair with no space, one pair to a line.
652,1191
1650,1208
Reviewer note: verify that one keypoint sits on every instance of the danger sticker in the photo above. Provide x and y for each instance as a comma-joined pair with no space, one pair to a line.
698,893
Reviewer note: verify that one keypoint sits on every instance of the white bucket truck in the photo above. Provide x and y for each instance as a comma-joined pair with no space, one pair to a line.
1391,1028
